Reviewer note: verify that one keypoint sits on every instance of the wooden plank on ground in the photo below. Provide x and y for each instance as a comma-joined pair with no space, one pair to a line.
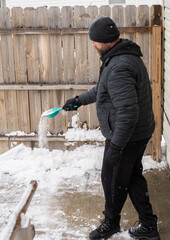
8,71
20,71
15,220
30,20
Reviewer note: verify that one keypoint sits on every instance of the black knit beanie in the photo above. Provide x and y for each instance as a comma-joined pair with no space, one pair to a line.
104,30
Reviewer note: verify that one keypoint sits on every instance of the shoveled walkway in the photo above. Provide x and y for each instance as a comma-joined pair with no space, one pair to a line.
82,210
74,208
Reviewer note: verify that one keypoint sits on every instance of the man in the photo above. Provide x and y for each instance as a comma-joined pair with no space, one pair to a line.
124,109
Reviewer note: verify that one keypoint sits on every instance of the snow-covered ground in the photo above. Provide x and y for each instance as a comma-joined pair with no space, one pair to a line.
57,173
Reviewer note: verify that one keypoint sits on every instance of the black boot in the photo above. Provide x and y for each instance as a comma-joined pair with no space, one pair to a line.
144,233
105,230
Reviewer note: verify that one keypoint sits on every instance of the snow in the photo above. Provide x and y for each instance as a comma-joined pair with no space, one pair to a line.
82,134
19,133
57,172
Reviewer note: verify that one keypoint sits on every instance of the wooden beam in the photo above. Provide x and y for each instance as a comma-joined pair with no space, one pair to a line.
30,138
156,90
45,87
15,220
25,204
70,30
35,139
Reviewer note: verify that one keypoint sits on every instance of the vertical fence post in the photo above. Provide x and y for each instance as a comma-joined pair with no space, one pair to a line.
156,90
156,23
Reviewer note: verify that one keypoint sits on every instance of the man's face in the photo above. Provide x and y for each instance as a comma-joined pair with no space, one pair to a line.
102,48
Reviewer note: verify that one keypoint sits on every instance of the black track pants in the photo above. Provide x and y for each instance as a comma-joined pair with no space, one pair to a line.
125,177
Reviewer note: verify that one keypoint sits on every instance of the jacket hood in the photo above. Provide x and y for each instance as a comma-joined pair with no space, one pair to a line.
124,46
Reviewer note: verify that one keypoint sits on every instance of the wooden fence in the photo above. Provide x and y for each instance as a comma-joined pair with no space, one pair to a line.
46,57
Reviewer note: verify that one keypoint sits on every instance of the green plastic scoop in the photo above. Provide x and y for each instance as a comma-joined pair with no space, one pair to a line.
53,112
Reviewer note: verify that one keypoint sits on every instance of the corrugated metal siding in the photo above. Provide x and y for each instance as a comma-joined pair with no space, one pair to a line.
166,117
60,3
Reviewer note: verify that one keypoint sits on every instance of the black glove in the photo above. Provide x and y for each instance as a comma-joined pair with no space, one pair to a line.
72,104
113,154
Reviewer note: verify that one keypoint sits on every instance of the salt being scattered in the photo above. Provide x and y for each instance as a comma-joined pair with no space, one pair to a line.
42,132
74,121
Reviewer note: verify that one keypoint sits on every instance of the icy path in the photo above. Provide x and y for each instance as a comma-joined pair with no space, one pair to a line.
69,199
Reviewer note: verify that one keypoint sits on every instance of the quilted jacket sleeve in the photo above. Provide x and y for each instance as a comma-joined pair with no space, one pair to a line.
89,96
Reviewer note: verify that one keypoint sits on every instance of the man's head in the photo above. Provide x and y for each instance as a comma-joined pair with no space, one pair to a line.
104,34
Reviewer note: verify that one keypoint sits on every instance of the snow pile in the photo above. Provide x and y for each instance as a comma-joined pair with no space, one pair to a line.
19,133
54,170
80,134
25,163
149,163
22,161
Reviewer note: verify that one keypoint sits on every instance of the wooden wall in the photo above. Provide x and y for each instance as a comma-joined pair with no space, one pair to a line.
46,57
166,86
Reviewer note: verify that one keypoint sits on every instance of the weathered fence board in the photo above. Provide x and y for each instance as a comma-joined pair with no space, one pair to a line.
46,57
8,72
130,21
93,63
30,20
81,44
68,60
20,71
4,146
143,40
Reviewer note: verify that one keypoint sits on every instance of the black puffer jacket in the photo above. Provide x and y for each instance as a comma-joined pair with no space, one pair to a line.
123,95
